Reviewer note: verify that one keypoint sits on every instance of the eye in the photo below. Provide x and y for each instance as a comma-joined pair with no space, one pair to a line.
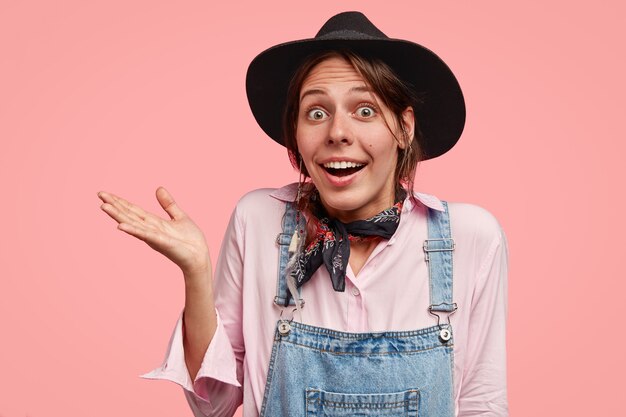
366,112
316,114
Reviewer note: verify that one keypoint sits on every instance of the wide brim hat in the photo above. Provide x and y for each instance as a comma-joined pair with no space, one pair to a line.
440,115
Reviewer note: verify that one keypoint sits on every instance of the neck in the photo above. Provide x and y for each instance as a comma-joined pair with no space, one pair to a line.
362,213
360,251
347,216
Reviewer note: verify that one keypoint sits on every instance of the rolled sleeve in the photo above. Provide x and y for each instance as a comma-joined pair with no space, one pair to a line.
216,385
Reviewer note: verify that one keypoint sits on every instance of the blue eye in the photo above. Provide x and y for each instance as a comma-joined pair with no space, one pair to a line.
365,112
316,114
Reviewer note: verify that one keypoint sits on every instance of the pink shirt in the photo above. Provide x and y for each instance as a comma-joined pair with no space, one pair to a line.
391,292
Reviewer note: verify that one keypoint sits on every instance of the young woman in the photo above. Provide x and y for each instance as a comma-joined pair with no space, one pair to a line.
347,293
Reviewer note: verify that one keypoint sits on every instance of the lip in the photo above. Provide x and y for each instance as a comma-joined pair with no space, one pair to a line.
340,159
345,180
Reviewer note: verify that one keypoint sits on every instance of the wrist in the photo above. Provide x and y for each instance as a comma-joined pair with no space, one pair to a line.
199,275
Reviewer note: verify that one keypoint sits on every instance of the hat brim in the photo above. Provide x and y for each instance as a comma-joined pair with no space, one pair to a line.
440,116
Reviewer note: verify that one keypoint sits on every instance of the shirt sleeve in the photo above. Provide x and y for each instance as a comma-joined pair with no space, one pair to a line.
217,389
483,391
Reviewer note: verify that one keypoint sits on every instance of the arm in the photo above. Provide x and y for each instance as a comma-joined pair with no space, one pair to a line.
200,356
199,318
209,367
483,391
219,379
216,388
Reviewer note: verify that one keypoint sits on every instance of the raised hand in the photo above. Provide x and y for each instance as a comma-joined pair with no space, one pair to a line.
178,238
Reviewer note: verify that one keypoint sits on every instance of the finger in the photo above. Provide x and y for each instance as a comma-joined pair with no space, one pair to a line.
105,197
169,205
138,213
115,213
130,210
114,200
131,207
135,231
121,217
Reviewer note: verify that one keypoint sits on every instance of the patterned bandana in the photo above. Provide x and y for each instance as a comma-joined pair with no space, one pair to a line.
331,243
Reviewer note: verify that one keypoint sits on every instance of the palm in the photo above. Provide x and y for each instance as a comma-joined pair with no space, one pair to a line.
178,238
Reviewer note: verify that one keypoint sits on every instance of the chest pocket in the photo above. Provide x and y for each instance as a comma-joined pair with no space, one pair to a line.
321,403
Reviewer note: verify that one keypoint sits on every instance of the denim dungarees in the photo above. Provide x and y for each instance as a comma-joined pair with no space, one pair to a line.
321,372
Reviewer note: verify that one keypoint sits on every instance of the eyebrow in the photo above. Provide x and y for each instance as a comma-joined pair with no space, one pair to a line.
361,89
312,92
317,91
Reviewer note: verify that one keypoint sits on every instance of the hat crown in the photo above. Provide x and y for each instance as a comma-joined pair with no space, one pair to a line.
350,25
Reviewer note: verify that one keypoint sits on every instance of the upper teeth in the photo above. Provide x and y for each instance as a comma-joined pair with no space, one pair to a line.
342,165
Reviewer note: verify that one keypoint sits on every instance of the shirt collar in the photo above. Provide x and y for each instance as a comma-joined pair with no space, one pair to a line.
289,192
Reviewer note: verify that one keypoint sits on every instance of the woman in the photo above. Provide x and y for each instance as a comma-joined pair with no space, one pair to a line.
339,295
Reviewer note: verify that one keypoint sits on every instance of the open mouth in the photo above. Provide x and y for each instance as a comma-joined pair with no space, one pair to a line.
343,168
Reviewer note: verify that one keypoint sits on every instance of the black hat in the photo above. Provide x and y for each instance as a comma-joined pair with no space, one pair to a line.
441,115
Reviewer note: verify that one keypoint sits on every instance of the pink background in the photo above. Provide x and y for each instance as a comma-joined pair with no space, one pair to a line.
125,96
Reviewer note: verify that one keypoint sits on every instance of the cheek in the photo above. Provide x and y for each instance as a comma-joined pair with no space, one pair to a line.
385,150
302,146
300,141
305,151
308,139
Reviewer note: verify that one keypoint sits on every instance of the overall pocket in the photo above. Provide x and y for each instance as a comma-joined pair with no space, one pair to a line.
320,403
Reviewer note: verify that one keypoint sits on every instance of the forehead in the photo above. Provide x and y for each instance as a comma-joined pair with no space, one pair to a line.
330,72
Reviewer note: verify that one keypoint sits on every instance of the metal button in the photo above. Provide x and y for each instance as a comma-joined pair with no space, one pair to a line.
445,335
355,291
284,327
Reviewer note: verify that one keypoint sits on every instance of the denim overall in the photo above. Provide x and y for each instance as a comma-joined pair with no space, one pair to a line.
320,372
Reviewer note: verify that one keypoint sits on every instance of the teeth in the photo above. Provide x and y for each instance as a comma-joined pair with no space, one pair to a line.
342,165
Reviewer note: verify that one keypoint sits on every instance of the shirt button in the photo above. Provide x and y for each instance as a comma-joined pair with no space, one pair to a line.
355,291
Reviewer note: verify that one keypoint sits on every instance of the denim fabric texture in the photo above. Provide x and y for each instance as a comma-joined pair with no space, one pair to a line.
438,252
321,372
283,240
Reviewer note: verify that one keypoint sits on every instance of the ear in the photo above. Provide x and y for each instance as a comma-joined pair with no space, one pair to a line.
408,127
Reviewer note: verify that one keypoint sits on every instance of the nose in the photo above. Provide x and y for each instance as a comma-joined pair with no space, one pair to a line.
340,131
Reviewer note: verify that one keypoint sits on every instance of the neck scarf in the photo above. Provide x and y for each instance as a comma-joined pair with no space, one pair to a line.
331,244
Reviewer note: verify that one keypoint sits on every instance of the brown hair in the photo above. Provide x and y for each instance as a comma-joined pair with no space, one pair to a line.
394,93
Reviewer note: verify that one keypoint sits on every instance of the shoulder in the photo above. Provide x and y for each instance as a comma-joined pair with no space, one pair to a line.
473,219
475,227
267,195
465,219
252,198
263,203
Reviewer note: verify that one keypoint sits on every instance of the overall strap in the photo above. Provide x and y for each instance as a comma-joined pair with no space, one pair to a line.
438,254
283,240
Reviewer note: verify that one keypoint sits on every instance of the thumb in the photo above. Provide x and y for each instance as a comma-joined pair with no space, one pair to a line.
169,205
